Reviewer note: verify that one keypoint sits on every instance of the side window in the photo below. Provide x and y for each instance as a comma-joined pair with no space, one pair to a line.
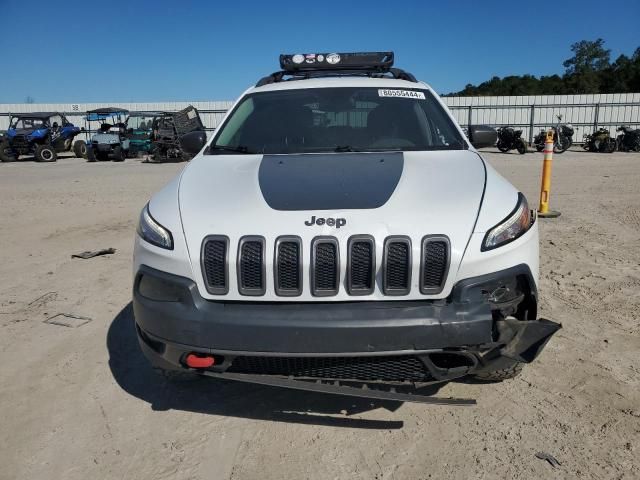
55,119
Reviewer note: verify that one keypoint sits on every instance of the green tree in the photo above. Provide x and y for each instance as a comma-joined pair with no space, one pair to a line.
589,70
583,71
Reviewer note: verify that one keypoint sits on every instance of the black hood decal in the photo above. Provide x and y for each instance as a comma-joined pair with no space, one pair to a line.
335,181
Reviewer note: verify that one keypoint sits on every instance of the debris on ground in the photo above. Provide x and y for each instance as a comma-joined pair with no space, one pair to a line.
68,320
94,253
549,458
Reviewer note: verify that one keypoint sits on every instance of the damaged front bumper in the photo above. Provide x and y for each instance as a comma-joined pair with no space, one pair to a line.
486,324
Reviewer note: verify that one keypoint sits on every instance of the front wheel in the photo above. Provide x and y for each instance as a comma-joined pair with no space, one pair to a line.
80,149
521,147
561,145
91,155
6,153
45,153
118,154
502,147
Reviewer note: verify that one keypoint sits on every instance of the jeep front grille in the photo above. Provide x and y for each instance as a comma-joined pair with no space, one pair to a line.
289,270
325,266
396,276
434,264
288,267
215,264
251,266
396,368
361,265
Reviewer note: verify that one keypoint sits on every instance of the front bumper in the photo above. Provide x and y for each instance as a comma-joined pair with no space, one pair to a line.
417,341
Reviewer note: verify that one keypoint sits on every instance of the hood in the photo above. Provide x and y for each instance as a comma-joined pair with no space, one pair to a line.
410,194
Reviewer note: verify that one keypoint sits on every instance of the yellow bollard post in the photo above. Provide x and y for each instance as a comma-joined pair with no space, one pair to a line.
545,189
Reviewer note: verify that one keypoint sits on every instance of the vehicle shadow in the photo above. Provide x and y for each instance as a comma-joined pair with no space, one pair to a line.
198,394
32,158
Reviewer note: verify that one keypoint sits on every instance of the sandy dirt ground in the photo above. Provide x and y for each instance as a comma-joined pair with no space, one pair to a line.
80,402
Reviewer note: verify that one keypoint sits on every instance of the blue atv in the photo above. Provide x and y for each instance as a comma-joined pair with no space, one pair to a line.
41,134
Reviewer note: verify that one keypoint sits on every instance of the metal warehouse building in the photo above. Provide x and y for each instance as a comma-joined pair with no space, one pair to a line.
531,113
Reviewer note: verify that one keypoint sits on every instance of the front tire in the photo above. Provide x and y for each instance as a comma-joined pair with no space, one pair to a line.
502,147
521,147
91,155
499,375
6,153
561,145
118,154
80,149
45,153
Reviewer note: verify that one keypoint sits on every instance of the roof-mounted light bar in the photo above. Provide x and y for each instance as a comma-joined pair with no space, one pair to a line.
303,62
301,66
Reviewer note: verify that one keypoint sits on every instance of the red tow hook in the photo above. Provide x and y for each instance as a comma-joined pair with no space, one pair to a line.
199,360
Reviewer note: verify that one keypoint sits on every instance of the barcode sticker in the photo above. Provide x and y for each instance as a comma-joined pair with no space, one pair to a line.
401,94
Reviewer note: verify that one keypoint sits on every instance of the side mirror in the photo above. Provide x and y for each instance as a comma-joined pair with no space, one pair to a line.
482,136
193,142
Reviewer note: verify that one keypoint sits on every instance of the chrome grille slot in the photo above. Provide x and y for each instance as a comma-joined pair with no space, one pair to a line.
396,275
215,264
287,267
361,265
325,266
251,266
435,259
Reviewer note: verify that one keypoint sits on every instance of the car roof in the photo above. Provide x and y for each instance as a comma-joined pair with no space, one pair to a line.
145,114
333,82
35,114
109,111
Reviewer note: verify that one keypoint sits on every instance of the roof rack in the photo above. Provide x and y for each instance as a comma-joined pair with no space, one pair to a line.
312,65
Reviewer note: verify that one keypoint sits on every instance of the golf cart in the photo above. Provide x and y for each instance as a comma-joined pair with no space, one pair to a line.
170,128
110,142
140,131
42,134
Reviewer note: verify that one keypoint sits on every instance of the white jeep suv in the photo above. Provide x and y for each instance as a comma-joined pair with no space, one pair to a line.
339,229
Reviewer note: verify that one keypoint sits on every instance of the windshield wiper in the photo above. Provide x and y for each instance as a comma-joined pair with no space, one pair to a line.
346,148
229,148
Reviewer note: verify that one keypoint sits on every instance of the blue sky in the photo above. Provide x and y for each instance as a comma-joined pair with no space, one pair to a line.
81,51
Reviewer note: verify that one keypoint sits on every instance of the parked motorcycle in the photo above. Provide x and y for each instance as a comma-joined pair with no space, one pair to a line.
562,137
599,141
628,140
509,139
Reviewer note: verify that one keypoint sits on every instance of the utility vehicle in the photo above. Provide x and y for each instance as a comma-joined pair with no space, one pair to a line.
169,128
140,132
339,232
41,134
111,141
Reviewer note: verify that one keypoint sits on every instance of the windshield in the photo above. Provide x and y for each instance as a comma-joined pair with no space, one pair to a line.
337,119
28,123
140,122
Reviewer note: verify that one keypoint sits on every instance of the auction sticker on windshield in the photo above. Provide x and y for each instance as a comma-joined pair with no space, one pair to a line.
401,94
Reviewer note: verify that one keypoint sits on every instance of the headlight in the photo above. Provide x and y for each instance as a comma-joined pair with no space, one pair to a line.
515,225
152,232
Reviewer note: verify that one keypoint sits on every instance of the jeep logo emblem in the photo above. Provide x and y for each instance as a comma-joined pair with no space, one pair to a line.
330,222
